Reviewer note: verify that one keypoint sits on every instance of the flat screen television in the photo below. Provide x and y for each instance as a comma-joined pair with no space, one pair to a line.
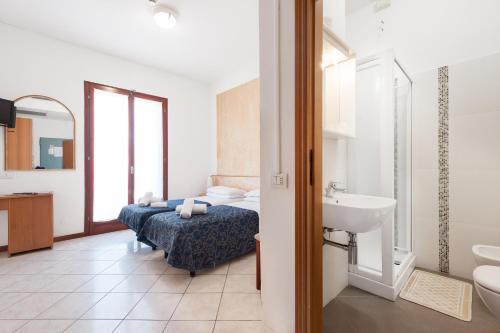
7,113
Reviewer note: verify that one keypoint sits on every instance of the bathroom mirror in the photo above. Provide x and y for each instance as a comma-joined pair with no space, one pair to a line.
43,137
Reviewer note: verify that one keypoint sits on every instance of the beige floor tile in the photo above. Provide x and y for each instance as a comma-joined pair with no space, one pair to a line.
220,269
8,280
66,283
240,284
240,307
190,327
61,267
8,299
90,267
197,307
93,326
151,267
9,326
31,283
238,327
31,306
32,267
146,326
122,267
242,267
101,283
207,284
171,284
159,306
175,271
136,284
72,306
113,306
45,326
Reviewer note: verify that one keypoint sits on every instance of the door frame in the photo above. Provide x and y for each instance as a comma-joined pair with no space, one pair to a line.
92,228
308,166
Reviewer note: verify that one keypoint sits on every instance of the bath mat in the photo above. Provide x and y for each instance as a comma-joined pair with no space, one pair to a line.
443,294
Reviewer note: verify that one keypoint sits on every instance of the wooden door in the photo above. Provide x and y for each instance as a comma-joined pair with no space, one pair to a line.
18,145
68,154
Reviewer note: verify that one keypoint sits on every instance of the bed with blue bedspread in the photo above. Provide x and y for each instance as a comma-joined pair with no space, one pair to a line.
134,216
203,241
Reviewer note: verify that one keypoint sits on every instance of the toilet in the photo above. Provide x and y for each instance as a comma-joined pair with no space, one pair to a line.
487,283
486,255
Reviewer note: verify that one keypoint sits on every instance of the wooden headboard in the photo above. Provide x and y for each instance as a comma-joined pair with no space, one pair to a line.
246,183
238,130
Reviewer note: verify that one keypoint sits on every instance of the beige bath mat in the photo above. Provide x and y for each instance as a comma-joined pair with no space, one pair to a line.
440,293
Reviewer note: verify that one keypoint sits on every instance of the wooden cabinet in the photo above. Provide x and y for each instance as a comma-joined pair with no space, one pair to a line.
30,221
18,145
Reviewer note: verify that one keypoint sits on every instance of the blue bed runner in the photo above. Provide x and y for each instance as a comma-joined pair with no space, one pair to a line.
134,216
203,241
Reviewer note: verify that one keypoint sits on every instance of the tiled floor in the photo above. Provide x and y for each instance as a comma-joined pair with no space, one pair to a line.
110,283
356,311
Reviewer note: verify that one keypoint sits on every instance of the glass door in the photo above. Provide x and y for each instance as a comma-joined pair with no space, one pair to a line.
126,152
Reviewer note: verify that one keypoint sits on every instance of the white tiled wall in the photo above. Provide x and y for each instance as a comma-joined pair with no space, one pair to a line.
425,170
474,135
474,89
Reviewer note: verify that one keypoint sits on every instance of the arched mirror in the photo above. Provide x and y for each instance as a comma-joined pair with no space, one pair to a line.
43,137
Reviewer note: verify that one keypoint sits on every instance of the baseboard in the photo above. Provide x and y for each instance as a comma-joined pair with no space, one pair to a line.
68,237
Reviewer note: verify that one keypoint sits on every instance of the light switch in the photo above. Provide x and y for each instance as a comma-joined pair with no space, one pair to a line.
280,180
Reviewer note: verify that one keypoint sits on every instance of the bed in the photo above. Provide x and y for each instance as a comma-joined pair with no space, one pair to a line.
204,241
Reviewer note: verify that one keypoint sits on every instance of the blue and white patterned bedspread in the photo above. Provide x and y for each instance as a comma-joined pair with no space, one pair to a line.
203,241
134,216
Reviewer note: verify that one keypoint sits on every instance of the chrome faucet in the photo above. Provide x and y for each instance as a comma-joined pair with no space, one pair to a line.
332,188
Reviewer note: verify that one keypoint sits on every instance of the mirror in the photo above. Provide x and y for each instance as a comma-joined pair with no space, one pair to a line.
43,138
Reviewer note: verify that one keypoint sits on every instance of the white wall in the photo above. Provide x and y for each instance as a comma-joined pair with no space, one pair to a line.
31,63
427,34
277,218
474,136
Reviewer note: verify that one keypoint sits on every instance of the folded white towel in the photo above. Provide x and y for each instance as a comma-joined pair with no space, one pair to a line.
198,209
187,208
155,199
159,204
146,199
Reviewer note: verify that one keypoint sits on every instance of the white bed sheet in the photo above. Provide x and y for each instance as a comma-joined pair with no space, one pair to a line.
215,201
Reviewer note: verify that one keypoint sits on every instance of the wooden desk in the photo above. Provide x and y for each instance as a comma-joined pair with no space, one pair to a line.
31,224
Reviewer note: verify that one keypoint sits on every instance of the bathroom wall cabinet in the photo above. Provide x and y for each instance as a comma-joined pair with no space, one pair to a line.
339,102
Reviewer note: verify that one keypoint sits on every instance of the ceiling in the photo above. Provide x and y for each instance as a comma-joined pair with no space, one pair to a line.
211,40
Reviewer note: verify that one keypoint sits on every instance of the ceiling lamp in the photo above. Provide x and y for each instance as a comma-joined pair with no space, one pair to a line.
164,17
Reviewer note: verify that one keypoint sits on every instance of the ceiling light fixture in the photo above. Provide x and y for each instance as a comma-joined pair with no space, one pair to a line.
164,17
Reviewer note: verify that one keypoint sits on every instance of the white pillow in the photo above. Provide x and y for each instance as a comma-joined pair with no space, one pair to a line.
252,199
225,191
253,194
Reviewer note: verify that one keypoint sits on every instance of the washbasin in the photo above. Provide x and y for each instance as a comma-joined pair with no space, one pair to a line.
357,213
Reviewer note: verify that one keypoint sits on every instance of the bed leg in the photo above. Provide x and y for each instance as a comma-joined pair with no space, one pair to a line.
192,274
165,254
154,248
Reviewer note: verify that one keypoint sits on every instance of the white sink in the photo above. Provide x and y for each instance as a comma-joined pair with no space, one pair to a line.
357,213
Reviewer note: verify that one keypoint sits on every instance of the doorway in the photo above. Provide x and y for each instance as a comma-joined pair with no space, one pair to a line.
126,152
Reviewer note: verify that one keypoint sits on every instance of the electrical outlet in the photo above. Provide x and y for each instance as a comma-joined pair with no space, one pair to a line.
280,180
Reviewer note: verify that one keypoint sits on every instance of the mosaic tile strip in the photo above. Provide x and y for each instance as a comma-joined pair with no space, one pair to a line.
444,209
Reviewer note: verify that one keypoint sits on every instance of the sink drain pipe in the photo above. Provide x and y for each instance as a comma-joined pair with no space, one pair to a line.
351,247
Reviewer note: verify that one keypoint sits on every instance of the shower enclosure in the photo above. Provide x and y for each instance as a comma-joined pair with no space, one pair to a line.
379,164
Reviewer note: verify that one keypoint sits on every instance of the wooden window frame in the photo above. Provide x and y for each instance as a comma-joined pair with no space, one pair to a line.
92,228
308,167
